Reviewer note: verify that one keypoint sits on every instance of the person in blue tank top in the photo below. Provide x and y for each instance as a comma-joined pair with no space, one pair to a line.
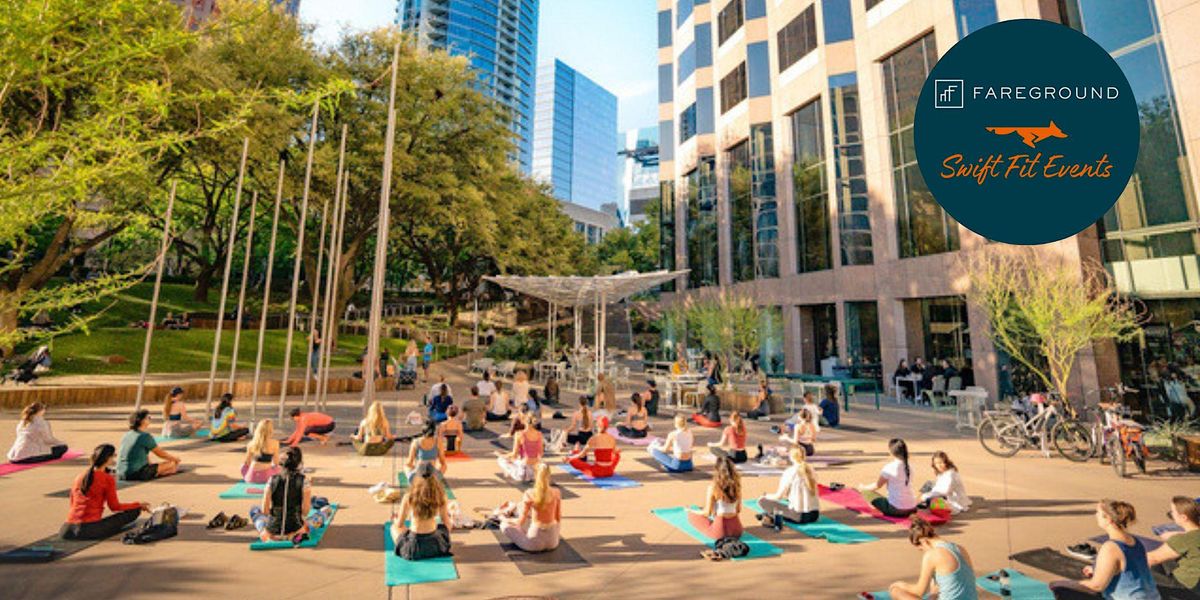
1121,571
946,568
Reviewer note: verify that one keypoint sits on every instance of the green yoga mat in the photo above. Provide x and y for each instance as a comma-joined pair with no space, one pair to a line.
241,490
834,532
677,517
1021,585
200,434
398,571
314,537
402,483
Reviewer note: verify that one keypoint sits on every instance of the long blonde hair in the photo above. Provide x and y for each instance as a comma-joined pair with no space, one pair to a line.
376,419
727,482
540,494
805,470
263,432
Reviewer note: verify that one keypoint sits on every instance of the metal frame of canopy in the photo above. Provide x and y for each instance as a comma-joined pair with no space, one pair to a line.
575,292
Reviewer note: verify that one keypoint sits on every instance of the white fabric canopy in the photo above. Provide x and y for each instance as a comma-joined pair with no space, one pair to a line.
585,291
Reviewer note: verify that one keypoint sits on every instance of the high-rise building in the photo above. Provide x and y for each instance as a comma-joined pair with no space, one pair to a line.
499,38
787,171
639,176
574,136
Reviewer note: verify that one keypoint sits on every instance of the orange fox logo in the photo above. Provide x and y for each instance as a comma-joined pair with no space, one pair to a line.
1031,135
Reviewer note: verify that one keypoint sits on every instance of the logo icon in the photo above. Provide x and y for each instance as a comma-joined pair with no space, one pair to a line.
949,93
1031,135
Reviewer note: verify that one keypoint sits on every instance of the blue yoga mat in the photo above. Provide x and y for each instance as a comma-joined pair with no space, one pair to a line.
241,490
314,537
835,532
677,517
200,434
398,571
616,482
1021,585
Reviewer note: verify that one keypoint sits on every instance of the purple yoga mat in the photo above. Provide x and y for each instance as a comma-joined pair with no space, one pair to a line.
632,441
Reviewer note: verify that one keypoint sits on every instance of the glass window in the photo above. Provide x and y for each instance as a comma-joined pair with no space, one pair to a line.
947,333
766,218
741,208
824,328
839,25
973,15
811,189
683,10
687,63
1114,25
862,337
798,38
666,88
733,88
730,20
687,123
703,43
923,227
664,28
666,230
853,205
701,192
770,342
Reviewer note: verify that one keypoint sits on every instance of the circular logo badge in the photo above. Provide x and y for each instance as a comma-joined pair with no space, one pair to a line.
1026,132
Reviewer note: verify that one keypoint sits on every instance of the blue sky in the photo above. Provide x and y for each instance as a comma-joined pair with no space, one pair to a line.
612,42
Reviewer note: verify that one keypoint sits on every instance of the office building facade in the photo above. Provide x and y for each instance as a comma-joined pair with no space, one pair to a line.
591,223
574,144
499,37
639,174
787,172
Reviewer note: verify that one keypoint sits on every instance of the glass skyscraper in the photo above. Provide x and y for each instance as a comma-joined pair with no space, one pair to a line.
499,37
575,137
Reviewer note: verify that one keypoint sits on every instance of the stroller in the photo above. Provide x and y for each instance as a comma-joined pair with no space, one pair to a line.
405,379
27,370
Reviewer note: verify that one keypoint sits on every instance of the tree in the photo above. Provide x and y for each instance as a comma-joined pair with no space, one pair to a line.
728,325
633,248
1043,311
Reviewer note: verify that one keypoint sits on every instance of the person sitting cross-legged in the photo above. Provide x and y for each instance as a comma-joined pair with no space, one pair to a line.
451,431
719,519
603,448
528,447
675,452
946,569
710,410
1180,555
796,500
285,502
535,529
225,427
137,445
262,454
374,435
416,532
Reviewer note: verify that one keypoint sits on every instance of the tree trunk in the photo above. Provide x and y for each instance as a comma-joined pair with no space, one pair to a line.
8,324
203,282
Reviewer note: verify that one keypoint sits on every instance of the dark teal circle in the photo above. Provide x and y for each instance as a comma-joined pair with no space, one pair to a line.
1034,54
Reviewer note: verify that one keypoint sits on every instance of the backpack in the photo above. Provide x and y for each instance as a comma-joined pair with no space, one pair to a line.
162,524
732,547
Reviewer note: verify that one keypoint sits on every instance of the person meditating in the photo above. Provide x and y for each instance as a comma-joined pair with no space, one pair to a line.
946,569
416,532
262,454
313,425
93,489
475,410
605,396
896,478
285,502
1180,555
710,410
451,431
1122,569
224,422
440,403
796,500
762,401
733,440
722,506
499,408
374,434
134,463
176,422
637,421
526,454
603,448
535,529
426,451
674,452
35,441
804,434
580,429
651,397
948,486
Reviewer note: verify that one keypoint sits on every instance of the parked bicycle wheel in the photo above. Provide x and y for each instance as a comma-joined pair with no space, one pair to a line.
1073,440
1003,439
1116,455
1139,456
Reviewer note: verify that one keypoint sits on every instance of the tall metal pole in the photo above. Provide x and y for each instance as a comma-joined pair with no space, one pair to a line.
334,283
158,274
475,342
335,241
291,330
266,302
216,352
377,277
316,302
237,330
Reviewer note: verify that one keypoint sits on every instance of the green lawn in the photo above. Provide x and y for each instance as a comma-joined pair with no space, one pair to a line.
133,305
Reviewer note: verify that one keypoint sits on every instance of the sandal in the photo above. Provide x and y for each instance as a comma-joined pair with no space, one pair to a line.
217,521
712,555
236,522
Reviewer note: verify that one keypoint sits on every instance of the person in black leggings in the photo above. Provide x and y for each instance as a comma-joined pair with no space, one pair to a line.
91,491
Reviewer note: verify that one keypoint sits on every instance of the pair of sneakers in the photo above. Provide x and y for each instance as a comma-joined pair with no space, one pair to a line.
1083,551
229,523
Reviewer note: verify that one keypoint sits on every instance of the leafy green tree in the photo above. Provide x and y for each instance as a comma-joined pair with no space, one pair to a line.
632,248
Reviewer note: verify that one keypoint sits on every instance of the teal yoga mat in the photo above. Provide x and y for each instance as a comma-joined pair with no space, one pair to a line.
835,532
398,571
201,434
677,517
314,537
241,490
1021,585
402,483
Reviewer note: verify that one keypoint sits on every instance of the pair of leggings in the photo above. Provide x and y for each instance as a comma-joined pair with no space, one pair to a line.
631,433
515,468
373,448
671,463
232,435
56,452
580,438
704,421
98,530
594,470
776,508
325,429
881,504
720,527
491,416
252,475
539,538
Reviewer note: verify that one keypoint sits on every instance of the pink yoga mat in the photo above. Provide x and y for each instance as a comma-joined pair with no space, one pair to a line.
10,468
613,431
851,499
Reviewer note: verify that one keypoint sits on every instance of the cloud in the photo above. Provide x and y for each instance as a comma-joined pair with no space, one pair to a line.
634,89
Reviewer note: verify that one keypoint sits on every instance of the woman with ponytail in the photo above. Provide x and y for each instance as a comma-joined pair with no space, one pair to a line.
35,442
285,502
896,476
541,504
93,489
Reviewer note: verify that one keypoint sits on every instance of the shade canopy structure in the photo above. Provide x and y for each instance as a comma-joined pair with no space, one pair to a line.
576,292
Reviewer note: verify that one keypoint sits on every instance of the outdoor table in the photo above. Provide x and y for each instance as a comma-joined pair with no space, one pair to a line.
544,367
970,407
677,384
915,380
848,384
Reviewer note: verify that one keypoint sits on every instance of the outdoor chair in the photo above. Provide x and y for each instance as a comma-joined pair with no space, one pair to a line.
695,396
506,368
481,365
936,395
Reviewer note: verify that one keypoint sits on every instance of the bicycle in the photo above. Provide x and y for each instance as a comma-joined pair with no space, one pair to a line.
1122,440
1004,433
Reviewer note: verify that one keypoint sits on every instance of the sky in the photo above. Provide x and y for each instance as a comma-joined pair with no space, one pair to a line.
612,42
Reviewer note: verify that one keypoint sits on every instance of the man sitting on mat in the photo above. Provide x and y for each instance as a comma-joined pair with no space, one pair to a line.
719,518
416,532
475,411
374,435
451,431
796,500
603,447
675,452
312,425
541,504
91,491
710,410
136,446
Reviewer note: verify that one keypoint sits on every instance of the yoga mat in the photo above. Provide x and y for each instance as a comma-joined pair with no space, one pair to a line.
851,499
398,571
677,517
615,482
645,441
52,548
10,468
1150,543
402,482
460,456
694,475
1020,585
562,558
314,537
241,489
1069,567
483,434
835,532
166,439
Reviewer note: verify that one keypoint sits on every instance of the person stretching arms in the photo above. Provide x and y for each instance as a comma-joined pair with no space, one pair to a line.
541,504
679,444
310,424
722,504
946,569
603,447
92,490
796,500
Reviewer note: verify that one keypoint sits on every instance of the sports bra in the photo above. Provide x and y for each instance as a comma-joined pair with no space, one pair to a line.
426,455
639,418
264,457
683,443
725,508
531,448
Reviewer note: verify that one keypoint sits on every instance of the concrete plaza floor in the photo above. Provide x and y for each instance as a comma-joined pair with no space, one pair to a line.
1021,503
